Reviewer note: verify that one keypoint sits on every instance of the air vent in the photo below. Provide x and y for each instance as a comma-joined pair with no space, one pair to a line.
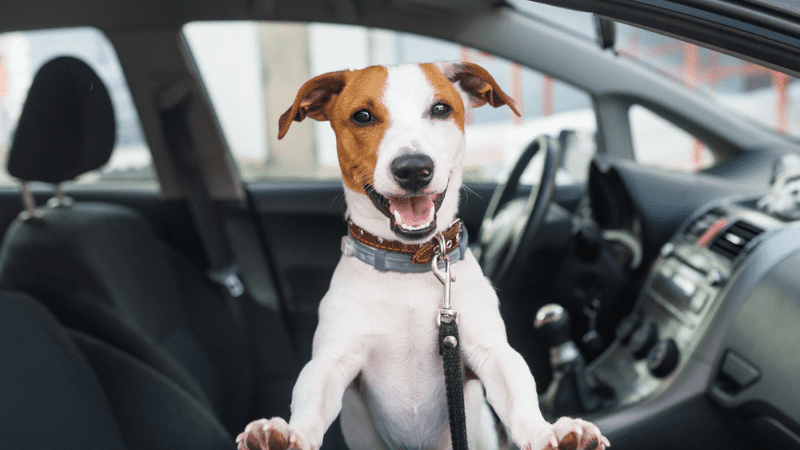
732,241
702,223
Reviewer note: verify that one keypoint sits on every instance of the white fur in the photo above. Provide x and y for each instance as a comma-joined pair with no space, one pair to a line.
375,356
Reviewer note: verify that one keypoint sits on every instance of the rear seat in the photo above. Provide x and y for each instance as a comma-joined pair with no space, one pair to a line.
160,338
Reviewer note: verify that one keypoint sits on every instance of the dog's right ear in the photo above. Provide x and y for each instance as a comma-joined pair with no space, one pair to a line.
312,99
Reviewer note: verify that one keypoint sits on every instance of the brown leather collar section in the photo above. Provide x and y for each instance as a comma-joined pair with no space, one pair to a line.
421,253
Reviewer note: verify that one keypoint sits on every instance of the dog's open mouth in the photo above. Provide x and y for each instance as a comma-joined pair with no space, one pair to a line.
410,217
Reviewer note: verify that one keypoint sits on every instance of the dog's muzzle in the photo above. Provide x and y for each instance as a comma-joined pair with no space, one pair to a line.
411,217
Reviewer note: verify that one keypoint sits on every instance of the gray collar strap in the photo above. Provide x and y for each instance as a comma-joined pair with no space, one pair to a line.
385,260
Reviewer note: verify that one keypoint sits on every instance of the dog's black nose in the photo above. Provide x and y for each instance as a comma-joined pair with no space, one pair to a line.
412,171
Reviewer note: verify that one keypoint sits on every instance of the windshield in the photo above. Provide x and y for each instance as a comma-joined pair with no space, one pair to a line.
761,95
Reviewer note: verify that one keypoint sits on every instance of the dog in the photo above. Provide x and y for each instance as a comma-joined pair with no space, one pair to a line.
400,142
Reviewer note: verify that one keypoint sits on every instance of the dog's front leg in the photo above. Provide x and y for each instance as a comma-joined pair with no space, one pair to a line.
511,390
316,398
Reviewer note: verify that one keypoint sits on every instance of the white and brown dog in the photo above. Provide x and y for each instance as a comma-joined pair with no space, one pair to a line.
400,141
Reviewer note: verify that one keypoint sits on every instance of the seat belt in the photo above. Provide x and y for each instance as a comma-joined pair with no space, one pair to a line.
173,104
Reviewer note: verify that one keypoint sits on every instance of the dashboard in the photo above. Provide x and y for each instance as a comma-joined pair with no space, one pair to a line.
719,316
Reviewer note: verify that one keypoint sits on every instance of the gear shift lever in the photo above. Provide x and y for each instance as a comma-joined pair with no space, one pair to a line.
553,322
571,391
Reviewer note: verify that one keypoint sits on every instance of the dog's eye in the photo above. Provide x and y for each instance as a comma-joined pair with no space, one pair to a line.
440,110
362,117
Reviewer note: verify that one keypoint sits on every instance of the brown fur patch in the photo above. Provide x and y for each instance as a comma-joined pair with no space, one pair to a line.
446,93
357,144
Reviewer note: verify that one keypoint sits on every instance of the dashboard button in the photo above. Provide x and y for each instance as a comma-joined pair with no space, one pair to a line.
663,358
698,301
685,285
627,326
739,373
643,340
714,277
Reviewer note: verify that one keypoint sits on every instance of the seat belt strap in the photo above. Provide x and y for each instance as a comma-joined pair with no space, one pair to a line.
174,104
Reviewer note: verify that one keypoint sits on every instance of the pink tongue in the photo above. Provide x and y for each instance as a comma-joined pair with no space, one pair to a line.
414,210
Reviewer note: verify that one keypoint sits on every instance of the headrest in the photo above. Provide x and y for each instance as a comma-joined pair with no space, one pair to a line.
67,124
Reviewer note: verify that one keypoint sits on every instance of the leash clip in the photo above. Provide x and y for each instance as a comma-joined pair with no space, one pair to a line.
445,314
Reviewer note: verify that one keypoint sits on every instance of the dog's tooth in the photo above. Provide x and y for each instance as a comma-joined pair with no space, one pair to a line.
431,214
398,218
411,228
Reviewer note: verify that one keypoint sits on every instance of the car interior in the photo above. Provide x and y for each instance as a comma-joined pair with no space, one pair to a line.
170,312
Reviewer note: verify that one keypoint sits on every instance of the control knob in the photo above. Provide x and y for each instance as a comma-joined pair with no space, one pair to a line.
663,358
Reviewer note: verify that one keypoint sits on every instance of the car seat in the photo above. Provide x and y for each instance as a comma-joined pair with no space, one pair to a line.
103,272
62,388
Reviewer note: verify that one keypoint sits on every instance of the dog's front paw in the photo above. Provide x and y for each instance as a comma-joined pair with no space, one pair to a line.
568,434
272,434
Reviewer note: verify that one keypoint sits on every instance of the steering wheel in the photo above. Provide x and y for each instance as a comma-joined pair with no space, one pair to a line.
509,228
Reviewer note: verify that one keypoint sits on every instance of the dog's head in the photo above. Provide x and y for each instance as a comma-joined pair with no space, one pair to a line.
400,139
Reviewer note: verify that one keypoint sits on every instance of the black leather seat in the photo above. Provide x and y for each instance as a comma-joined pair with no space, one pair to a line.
159,336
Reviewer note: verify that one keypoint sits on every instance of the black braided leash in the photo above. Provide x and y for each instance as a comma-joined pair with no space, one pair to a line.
450,349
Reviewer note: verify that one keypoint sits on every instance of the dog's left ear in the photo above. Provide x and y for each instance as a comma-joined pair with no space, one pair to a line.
312,99
478,84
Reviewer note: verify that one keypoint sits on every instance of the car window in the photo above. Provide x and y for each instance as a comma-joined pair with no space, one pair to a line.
760,95
273,60
658,142
23,53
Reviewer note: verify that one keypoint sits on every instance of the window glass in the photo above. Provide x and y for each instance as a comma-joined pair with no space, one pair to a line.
658,142
23,53
763,96
273,60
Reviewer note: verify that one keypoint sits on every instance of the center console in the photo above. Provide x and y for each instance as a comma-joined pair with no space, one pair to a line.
680,298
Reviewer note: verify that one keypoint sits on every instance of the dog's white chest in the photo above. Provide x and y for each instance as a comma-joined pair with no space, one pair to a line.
402,381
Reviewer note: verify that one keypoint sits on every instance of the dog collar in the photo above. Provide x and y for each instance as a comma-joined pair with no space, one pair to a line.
385,255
